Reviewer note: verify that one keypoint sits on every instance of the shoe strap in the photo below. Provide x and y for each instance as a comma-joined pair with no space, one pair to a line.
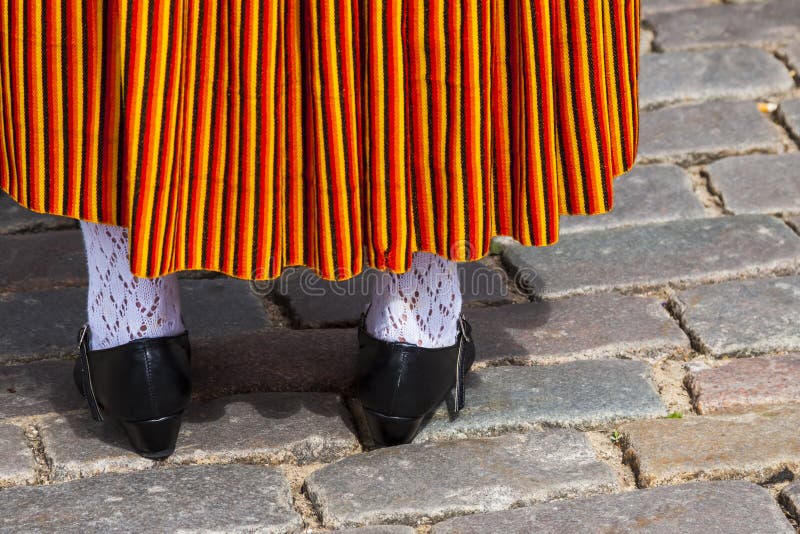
463,337
86,373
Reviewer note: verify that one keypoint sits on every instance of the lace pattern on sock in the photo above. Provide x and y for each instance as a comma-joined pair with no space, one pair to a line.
420,306
121,306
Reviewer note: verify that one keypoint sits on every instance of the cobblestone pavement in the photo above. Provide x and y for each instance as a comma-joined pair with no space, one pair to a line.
640,375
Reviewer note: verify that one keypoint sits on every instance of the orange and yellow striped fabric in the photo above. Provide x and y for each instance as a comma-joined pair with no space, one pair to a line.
243,136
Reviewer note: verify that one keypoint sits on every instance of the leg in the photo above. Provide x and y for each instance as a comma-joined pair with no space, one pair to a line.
136,365
413,349
420,306
121,306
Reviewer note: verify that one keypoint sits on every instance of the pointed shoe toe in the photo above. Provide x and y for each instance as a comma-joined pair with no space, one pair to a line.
155,438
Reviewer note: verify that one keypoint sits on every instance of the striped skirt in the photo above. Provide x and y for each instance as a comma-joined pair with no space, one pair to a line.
243,136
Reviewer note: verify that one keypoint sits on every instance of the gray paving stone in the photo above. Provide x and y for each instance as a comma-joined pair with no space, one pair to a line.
577,394
736,73
17,465
231,498
767,24
592,327
743,383
40,324
678,253
316,303
14,218
758,183
275,360
696,133
379,529
743,318
42,260
269,427
38,388
790,114
650,7
792,55
756,445
408,483
277,427
580,328
794,222
577,328
269,360
646,38
77,447
646,194
44,324
790,497
221,306
729,507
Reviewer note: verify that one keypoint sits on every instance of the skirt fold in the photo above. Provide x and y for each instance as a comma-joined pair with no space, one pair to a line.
245,136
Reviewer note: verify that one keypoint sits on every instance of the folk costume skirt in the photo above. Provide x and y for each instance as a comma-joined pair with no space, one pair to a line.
245,136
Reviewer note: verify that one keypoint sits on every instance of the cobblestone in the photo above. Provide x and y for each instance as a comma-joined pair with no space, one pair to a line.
696,133
38,388
730,507
757,446
650,7
758,183
14,218
767,24
276,360
577,328
646,194
220,307
747,382
407,483
579,354
646,38
379,529
681,252
197,498
736,73
794,222
792,55
789,112
742,318
16,460
592,327
45,323
42,260
577,394
41,324
316,303
790,497
269,427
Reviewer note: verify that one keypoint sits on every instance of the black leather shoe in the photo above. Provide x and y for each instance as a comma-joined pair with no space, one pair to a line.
145,384
401,384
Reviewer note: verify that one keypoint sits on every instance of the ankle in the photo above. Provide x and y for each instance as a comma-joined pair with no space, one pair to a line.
420,307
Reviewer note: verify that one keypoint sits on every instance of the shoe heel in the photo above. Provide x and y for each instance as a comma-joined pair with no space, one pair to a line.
387,430
154,438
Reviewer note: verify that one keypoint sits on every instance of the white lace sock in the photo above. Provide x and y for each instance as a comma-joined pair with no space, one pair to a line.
420,306
121,306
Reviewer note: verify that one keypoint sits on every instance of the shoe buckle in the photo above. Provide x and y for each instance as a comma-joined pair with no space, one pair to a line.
86,372
464,336
460,393
462,326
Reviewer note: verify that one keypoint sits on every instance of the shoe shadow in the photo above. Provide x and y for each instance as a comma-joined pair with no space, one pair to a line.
220,424
231,374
